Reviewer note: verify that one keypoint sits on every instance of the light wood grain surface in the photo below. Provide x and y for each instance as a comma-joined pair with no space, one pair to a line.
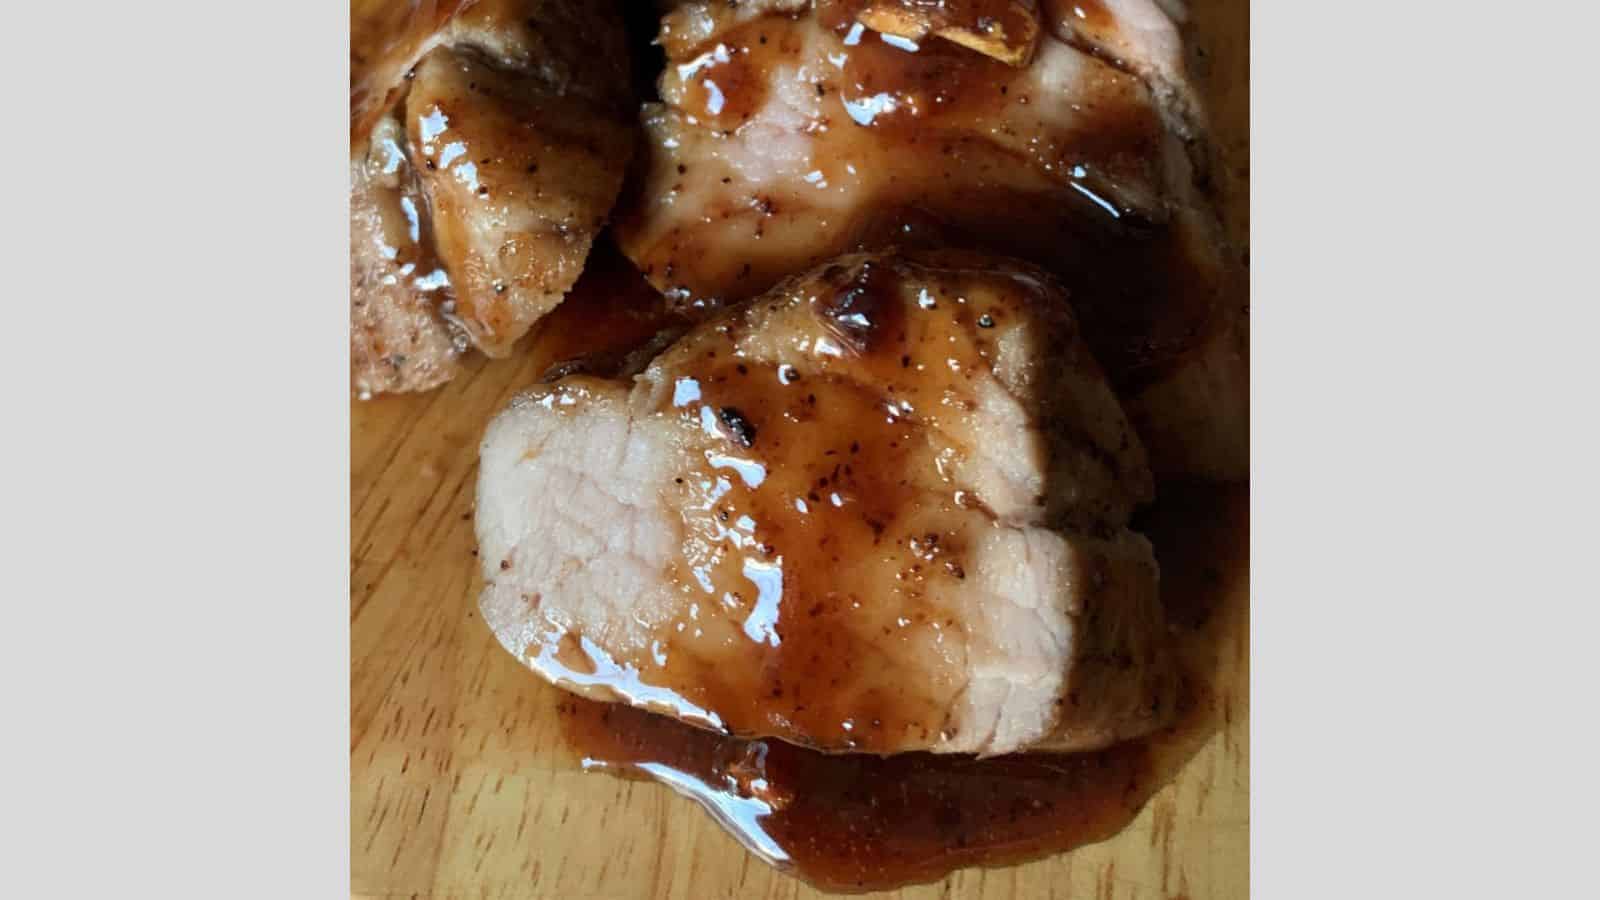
456,788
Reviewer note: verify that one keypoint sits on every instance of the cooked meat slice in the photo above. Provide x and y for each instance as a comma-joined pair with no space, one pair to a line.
785,140
515,135
386,39
1141,36
793,144
399,338
521,182
882,508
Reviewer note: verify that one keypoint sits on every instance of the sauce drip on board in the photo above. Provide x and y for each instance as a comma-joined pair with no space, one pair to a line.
859,822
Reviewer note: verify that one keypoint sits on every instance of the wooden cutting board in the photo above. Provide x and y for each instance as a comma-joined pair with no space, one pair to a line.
456,788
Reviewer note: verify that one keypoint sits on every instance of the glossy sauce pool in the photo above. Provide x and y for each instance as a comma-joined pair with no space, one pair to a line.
860,822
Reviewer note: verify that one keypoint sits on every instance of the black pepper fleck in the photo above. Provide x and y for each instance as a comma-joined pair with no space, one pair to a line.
744,432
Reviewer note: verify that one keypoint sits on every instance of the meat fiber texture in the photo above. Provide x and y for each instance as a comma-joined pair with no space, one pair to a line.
882,508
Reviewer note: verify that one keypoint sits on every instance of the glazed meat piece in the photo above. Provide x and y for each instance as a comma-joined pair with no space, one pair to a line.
400,339
882,508
386,38
484,173
792,136
1139,36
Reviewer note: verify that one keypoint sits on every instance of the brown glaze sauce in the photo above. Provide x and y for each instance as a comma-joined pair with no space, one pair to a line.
1091,14
1008,16
404,234
403,333
864,822
1088,26
888,85
608,320
823,542
725,85
859,822
821,526
941,140
788,553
